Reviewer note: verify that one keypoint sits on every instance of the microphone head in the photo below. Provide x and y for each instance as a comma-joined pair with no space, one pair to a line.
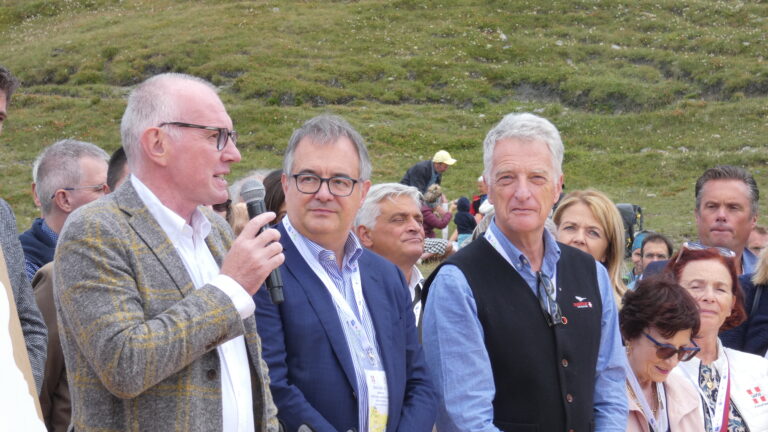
252,190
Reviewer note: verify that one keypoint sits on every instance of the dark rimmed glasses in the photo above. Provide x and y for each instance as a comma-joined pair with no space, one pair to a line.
546,294
665,350
724,252
221,139
339,186
99,188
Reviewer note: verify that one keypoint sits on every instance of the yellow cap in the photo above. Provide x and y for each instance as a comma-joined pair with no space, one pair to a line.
443,156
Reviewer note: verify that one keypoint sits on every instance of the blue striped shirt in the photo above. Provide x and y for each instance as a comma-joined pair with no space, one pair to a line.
364,357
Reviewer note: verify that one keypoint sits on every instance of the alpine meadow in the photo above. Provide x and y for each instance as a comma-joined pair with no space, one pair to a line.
646,94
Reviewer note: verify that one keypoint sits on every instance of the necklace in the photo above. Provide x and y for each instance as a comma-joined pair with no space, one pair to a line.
654,391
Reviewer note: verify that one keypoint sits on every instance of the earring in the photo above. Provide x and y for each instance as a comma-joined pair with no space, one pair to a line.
628,349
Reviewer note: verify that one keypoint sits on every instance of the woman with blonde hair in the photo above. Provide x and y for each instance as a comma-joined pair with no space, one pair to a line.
589,220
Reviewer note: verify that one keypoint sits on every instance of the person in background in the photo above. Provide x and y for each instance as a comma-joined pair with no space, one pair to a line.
238,217
635,256
521,332
428,172
752,335
655,247
434,215
433,212
389,223
659,322
758,240
731,383
465,223
588,220
70,174
726,209
32,324
274,200
479,199
117,171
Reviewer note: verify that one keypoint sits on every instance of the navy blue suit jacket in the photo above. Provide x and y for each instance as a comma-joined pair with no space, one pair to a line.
310,366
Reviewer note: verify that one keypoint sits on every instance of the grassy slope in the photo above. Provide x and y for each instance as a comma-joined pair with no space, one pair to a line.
646,94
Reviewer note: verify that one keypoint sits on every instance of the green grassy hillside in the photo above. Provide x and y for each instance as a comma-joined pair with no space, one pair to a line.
647,94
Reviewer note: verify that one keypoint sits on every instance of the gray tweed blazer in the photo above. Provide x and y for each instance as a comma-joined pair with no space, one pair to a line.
32,324
138,339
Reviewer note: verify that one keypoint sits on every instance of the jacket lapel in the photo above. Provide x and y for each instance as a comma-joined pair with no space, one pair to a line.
373,291
147,228
320,301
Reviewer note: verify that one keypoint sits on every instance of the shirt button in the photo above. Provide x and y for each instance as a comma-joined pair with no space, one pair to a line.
564,362
569,398
211,374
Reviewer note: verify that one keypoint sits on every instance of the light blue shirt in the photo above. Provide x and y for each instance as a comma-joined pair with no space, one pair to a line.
459,363
363,357
748,262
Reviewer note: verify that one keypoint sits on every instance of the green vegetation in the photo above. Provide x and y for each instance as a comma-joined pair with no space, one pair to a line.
646,94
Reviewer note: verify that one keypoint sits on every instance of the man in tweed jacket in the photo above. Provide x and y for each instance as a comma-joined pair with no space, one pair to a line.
155,316
32,324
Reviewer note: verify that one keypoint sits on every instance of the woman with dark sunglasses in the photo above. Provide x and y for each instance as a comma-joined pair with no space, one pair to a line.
658,323
732,385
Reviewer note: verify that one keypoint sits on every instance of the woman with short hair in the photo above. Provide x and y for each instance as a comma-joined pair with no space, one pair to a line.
658,323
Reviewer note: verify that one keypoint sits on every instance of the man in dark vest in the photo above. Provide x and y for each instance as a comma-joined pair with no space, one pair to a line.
521,332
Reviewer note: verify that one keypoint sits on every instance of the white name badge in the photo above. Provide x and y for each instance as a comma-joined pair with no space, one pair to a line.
378,400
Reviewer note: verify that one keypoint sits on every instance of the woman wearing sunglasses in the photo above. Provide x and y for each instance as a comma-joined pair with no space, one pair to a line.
658,323
732,385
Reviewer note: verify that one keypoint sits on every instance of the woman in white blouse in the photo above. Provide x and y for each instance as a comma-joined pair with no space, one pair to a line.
733,385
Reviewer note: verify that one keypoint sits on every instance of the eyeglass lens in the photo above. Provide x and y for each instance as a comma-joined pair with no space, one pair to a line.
311,183
665,351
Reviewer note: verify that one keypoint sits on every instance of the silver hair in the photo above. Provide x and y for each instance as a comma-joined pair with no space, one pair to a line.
58,166
528,127
370,209
327,129
150,104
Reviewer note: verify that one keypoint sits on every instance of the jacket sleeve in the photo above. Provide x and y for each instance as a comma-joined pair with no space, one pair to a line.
32,324
437,222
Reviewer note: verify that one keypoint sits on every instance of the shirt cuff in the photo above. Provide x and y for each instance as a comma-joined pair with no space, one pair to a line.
239,296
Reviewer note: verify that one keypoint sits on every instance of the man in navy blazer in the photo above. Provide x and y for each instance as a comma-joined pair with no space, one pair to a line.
342,350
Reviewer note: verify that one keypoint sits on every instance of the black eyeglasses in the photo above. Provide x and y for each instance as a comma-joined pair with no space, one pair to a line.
548,304
221,139
100,188
724,252
339,186
665,350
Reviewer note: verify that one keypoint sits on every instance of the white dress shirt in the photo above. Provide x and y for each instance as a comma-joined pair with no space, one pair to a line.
189,241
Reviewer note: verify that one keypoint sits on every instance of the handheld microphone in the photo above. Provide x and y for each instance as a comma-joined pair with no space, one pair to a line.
252,192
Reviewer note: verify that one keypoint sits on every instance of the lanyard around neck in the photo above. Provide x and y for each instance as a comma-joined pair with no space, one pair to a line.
657,425
720,411
366,340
